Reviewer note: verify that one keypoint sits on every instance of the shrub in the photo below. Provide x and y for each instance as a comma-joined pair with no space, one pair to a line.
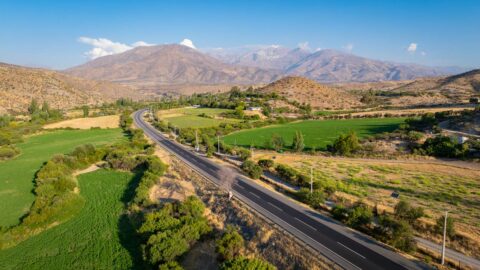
298,142
442,146
252,169
314,199
243,153
230,245
265,163
404,210
345,144
277,142
396,233
7,152
359,216
450,226
171,231
286,173
242,263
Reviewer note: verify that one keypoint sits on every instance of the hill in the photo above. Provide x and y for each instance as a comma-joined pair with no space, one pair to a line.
155,66
19,85
424,91
335,66
308,91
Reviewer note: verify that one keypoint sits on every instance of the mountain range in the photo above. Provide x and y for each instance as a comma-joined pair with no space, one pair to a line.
156,66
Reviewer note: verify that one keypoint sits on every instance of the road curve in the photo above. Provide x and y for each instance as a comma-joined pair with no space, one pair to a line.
347,248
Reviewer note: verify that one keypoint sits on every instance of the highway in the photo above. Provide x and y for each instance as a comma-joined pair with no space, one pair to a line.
347,248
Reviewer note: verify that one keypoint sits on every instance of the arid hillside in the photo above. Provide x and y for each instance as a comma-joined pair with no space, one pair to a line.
157,66
308,91
19,85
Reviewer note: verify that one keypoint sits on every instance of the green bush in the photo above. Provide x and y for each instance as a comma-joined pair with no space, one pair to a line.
8,152
405,211
171,231
230,245
266,163
359,216
450,226
252,169
442,146
314,199
396,233
242,263
345,144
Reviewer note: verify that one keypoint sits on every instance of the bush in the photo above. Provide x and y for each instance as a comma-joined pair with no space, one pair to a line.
450,226
243,153
286,173
405,211
396,233
265,163
230,245
442,146
171,231
8,152
359,216
242,263
345,144
252,169
314,199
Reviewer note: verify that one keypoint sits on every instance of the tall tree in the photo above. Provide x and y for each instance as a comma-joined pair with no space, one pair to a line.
33,107
85,110
45,107
298,142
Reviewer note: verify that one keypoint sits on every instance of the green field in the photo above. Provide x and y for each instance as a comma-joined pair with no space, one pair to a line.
317,133
99,237
188,117
17,175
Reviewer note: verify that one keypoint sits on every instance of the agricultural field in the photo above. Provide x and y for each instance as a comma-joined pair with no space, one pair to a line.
316,133
189,117
16,175
436,186
109,121
99,237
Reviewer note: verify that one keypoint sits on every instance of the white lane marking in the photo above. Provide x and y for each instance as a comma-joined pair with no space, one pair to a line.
280,209
240,186
254,194
313,228
351,250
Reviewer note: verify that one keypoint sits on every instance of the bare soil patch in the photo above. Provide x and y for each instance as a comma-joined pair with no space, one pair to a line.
109,121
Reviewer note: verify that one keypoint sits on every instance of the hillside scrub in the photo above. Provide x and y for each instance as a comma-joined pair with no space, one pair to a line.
252,169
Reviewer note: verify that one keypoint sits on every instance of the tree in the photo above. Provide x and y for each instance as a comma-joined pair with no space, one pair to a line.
45,107
359,216
33,107
86,111
405,211
397,233
298,143
450,226
252,169
239,111
346,144
173,265
277,142
443,146
231,243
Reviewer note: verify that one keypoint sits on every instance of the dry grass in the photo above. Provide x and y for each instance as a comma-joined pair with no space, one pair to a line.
109,121
435,185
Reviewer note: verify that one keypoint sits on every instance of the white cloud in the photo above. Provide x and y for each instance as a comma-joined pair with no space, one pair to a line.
348,47
142,43
187,42
423,53
412,48
103,46
304,46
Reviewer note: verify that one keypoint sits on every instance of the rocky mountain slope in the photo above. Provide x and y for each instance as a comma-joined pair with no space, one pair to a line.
147,67
310,92
18,85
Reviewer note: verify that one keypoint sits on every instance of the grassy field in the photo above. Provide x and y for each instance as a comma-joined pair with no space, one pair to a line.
435,186
99,237
317,133
16,175
188,117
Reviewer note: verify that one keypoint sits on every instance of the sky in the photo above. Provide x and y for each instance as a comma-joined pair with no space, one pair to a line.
62,34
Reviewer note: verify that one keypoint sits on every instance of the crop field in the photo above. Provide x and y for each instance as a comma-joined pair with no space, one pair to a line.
316,133
16,175
435,186
189,117
99,237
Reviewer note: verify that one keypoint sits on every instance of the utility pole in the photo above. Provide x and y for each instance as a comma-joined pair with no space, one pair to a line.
444,237
197,147
251,151
218,143
311,179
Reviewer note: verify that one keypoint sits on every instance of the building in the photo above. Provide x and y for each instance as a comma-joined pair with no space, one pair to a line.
254,108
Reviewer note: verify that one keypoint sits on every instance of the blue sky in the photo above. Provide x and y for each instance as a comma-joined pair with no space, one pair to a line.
46,33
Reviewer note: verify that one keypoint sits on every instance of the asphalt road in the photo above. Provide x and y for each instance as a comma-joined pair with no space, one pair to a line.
347,248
